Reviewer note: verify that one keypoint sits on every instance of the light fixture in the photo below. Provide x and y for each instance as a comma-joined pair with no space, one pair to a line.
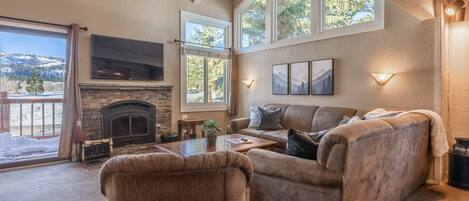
196,1
247,83
453,7
382,78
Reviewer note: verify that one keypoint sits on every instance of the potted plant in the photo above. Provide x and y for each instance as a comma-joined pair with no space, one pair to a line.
169,137
211,130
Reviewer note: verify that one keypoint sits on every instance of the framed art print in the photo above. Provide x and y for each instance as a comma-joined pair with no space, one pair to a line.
280,79
299,78
322,77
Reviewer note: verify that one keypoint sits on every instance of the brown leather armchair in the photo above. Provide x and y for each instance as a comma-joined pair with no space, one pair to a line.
160,176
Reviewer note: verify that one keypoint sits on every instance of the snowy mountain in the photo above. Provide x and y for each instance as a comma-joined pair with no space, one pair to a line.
20,66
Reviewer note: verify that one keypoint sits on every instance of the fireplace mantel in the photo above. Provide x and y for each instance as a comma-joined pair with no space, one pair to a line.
104,86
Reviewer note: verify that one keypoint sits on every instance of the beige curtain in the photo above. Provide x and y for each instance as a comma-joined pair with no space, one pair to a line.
233,95
72,113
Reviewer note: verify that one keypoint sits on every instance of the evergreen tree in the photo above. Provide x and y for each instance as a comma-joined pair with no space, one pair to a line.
35,84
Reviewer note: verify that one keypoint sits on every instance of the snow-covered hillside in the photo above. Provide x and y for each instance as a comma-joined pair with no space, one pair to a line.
18,66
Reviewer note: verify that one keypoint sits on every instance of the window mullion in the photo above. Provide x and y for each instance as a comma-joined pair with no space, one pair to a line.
205,80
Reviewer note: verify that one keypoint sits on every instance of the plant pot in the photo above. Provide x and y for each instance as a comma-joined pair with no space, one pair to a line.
211,140
169,138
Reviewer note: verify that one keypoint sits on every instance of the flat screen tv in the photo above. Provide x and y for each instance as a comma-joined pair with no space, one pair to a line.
125,59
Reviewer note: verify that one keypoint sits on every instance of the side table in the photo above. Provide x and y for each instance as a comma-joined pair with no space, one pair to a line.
190,126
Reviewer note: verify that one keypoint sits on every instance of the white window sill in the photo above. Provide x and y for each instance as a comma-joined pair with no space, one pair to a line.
203,108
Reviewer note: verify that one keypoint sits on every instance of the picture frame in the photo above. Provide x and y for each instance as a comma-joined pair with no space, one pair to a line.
322,77
299,78
280,79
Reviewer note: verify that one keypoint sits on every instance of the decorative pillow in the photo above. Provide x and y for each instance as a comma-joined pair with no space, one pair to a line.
380,113
302,145
269,120
254,117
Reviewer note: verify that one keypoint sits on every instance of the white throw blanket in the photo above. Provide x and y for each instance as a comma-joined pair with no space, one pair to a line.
438,135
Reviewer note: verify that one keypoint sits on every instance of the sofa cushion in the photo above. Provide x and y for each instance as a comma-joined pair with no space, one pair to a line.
299,117
270,120
277,135
329,117
251,132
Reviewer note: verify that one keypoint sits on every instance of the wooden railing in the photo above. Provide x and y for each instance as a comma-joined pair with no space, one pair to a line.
5,113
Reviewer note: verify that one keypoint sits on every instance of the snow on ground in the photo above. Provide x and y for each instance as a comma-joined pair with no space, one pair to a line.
20,148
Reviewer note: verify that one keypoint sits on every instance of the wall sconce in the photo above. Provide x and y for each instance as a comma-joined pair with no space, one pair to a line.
453,7
247,83
382,78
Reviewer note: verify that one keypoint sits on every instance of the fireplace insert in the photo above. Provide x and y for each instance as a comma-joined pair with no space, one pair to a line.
129,122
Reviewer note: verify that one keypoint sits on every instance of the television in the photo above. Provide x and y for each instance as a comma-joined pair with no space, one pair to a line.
126,59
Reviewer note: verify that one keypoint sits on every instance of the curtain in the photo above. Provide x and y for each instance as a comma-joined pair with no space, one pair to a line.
72,113
233,92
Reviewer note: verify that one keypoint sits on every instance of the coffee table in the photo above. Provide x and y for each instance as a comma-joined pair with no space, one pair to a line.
199,146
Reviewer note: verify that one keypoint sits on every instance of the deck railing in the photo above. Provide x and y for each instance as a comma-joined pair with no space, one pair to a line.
5,113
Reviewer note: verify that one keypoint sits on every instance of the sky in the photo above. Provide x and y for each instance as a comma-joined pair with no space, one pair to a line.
32,44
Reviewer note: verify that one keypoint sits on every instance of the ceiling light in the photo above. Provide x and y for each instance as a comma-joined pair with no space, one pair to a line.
453,7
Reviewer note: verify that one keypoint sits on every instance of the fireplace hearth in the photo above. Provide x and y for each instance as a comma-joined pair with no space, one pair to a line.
129,122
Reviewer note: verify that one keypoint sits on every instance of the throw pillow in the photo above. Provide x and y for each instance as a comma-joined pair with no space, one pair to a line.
269,120
302,145
254,117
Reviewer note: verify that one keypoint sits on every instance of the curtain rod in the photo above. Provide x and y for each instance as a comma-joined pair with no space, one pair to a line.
186,42
39,22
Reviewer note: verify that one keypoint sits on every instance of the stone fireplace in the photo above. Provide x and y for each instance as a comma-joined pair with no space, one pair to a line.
129,114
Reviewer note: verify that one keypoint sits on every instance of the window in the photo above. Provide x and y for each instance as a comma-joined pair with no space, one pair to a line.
267,24
293,18
32,71
204,63
253,24
342,13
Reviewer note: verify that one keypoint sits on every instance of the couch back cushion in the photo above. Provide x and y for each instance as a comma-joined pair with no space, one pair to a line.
329,117
299,117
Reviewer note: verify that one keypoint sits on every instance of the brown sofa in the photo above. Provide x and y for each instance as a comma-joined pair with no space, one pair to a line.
153,177
301,117
377,160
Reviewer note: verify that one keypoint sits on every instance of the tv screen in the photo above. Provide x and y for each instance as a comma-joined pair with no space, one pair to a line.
125,59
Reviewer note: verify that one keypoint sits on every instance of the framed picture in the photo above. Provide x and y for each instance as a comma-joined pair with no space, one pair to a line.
299,78
322,77
280,79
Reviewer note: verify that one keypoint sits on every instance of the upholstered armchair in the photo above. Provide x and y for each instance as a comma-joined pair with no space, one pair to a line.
160,176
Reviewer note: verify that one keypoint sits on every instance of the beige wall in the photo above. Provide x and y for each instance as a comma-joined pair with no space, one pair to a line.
149,20
458,85
405,46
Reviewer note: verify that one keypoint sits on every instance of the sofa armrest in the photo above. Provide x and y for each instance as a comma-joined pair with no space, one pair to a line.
238,124
294,169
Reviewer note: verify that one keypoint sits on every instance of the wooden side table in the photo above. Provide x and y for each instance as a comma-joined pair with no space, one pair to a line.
190,126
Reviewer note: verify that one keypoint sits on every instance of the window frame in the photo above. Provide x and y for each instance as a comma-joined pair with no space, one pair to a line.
209,21
317,30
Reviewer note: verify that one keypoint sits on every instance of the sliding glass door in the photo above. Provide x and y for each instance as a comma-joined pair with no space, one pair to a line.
32,70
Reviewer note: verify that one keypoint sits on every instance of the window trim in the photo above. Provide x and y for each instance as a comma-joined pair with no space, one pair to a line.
317,32
200,19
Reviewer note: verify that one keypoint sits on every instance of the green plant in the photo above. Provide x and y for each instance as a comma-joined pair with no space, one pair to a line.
211,127
35,84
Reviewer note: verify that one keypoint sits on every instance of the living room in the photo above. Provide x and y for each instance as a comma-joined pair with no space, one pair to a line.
234,100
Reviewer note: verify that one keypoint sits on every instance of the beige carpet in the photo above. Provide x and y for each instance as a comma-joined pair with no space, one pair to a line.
61,182
73,182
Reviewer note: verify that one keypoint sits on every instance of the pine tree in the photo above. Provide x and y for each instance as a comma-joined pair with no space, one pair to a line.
35,84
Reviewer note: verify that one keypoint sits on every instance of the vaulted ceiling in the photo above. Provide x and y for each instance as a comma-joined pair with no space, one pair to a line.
421,9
